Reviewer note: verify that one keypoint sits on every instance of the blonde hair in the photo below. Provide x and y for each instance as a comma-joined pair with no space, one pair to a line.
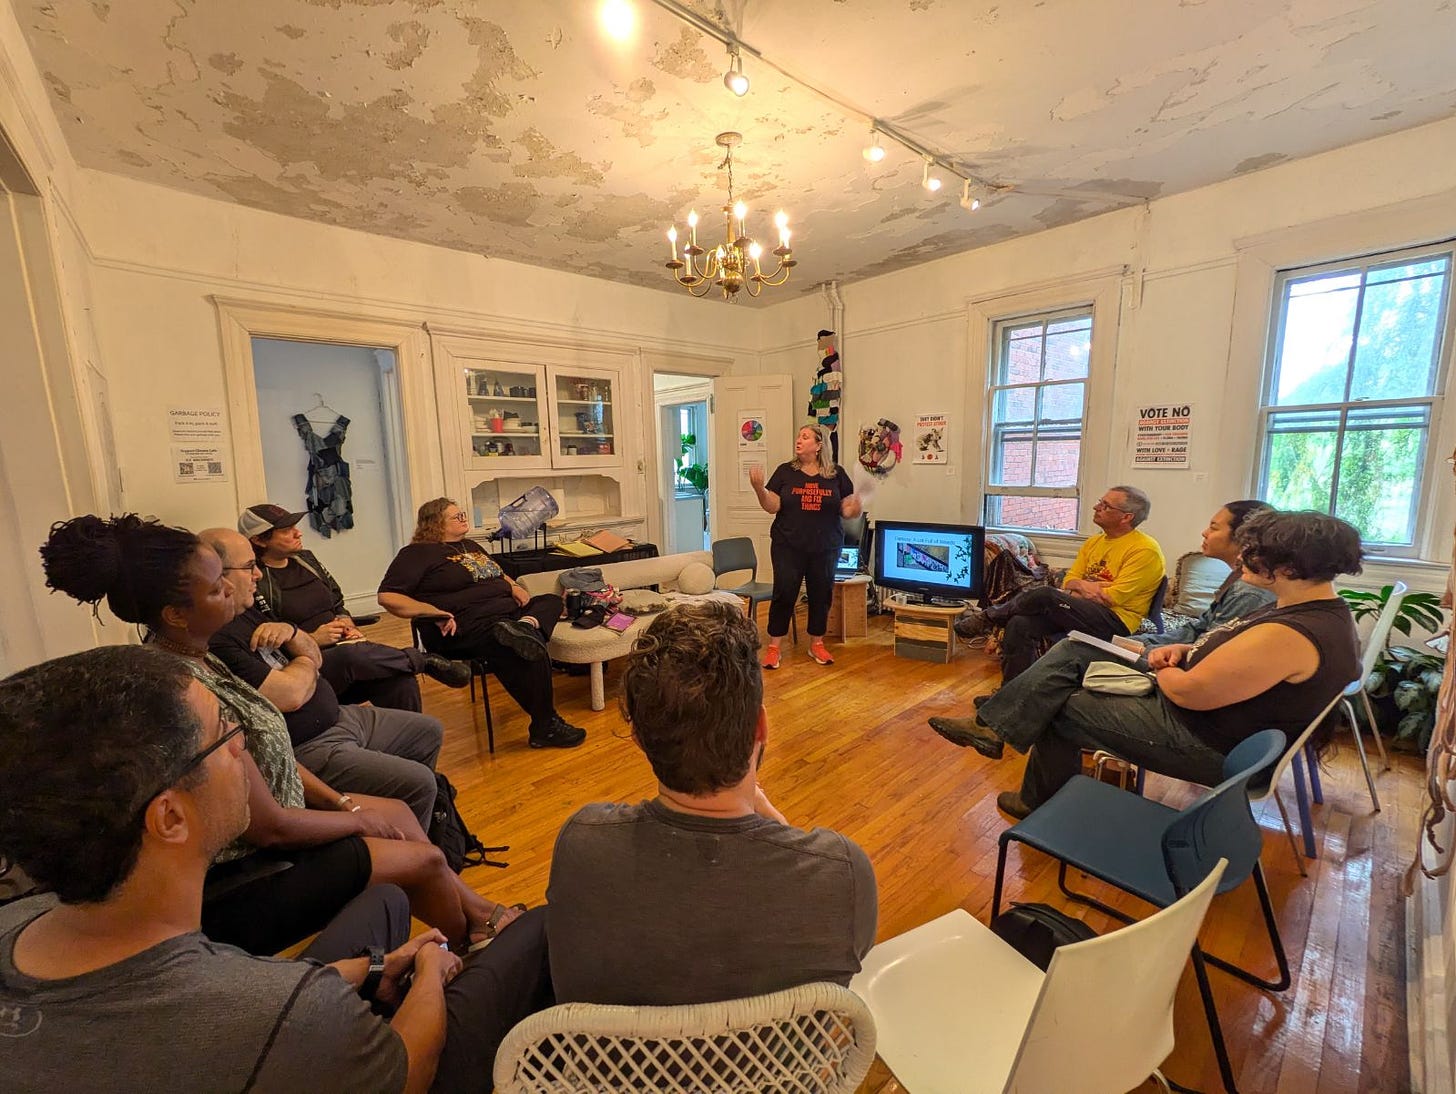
826,458
430,521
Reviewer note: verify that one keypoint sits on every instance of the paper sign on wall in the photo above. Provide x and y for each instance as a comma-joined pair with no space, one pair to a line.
932,444
752,448
198,444
1160,436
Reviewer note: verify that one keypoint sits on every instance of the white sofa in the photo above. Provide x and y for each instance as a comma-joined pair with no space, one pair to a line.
597,645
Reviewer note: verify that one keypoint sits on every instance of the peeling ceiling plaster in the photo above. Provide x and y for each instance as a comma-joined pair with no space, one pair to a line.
516,130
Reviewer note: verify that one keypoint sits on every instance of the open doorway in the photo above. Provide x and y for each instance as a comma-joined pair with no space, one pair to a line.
333,391
684,432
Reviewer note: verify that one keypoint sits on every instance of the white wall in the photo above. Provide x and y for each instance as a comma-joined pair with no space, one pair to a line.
1193,306
349,377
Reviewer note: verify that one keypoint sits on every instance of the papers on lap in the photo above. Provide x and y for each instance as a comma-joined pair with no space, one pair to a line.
1106,647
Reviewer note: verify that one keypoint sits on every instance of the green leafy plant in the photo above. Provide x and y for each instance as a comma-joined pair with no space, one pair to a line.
1405,681
694,475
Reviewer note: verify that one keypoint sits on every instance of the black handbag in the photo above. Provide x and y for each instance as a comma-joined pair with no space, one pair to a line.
1036,930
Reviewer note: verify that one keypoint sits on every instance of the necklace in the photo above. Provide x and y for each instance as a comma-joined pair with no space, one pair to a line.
175,647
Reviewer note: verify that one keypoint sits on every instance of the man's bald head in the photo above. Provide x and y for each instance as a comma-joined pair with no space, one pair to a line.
239,564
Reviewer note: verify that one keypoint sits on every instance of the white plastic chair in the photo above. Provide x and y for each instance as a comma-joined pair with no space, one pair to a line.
1374,644
814,1039
958,1011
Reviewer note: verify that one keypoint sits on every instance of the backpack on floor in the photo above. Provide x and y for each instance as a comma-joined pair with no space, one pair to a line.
1036,930
448,832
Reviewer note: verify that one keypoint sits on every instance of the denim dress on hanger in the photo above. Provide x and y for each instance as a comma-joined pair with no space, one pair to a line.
330,496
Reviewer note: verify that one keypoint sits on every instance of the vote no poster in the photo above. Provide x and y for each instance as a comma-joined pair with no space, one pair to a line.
1160,436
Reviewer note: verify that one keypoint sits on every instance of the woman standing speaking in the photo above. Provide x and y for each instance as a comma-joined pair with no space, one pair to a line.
807,497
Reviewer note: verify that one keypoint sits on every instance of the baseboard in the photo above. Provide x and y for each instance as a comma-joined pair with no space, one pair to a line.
1430,962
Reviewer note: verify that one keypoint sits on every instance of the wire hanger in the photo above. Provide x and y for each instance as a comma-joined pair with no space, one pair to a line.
321,405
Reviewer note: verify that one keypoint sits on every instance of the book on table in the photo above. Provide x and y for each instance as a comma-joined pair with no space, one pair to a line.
607,541
577,548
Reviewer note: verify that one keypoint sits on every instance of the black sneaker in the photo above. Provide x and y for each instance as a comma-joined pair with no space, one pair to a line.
969,731
980,700
522,639
453,674
562,734
973,625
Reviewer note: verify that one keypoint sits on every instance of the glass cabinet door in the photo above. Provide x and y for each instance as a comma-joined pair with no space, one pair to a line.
583,403
503,415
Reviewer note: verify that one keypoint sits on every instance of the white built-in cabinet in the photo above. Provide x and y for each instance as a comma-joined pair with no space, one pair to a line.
517,413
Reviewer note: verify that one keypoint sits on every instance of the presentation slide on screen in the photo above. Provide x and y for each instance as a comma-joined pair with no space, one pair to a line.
940,558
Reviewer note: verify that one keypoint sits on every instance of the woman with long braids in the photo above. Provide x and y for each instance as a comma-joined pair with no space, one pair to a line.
167,581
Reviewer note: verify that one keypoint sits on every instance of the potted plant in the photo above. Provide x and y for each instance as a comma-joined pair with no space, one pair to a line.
1405,680
694,475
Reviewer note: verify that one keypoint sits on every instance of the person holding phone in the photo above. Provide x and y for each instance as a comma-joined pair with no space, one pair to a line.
472,610
807,497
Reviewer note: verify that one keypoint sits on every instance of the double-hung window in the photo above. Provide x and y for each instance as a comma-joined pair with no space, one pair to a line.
1038,415
1353,391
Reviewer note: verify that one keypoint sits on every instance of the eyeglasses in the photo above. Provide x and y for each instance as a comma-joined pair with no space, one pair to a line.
192,764
459,516
249,567
1100,505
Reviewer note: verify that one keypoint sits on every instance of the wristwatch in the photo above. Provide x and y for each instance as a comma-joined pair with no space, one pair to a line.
376,971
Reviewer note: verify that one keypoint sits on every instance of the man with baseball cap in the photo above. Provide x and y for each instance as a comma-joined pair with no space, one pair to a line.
296,588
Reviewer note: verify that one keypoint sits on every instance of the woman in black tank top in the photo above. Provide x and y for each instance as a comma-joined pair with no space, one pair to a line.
1276,668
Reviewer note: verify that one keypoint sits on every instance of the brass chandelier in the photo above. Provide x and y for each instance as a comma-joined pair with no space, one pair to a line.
735,263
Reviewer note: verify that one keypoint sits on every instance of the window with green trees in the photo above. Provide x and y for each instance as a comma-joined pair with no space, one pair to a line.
1353,391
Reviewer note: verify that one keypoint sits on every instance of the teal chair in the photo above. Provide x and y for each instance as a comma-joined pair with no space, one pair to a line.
1160,854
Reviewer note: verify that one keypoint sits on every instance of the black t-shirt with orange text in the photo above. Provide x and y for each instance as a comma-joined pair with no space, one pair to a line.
808,518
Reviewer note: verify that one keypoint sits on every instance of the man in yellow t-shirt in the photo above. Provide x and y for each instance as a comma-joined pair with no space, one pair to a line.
1106,592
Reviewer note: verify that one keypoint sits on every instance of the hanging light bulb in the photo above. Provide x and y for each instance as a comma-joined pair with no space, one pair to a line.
734,79
618,19
970,200
927,180
874,152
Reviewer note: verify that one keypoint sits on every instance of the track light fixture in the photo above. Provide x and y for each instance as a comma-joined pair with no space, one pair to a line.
970,197
929,181
874,152
734,79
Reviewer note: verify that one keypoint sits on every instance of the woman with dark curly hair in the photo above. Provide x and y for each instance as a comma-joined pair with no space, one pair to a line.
1276,668
166,580
468,608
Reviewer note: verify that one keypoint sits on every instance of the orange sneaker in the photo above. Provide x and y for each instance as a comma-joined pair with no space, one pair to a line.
771,657
820,653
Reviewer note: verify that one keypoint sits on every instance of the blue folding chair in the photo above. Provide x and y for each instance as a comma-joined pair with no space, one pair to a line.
1160,854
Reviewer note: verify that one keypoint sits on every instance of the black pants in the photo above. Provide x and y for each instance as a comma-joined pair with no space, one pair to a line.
793,567
370,672
498,986
1037,614
527,682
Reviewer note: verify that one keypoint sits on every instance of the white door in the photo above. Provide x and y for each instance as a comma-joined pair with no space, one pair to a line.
767,401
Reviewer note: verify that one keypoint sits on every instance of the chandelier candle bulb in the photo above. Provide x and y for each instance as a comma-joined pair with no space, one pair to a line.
672,241
693,225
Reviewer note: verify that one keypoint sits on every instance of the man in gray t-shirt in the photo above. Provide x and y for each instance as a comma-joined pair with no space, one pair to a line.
122,781
704,893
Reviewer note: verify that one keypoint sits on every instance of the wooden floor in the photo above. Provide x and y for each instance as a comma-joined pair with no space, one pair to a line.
849,749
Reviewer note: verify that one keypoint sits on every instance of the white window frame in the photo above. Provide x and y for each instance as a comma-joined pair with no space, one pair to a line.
1099,292
994,388
1433,403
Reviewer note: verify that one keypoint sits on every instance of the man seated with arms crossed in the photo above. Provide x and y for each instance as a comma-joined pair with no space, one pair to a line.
1106,592
122,782
705,892
368,749
295,588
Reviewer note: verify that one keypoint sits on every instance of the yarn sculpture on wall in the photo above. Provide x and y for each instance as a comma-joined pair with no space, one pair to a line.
826,390
879,447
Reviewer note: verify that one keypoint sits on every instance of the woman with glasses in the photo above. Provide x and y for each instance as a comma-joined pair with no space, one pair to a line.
307,849
1276,668
467,608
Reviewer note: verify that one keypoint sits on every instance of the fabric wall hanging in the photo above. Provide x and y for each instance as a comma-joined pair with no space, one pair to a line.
825,391
327,491
879,447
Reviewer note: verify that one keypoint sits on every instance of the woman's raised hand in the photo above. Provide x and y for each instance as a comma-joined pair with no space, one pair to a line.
755,477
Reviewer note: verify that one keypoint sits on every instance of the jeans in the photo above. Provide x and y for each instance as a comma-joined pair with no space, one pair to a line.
1037,614
1046,712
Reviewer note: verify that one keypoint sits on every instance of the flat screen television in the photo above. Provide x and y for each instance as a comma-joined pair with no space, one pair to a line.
930,562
